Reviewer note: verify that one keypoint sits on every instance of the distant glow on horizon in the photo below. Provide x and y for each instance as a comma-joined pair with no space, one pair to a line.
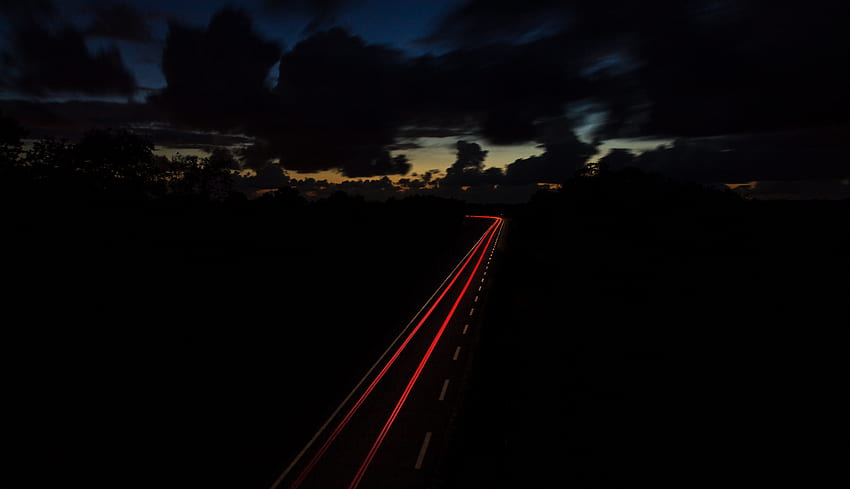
549,186
440,153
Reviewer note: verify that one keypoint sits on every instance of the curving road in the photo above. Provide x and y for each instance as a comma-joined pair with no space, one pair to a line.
392,428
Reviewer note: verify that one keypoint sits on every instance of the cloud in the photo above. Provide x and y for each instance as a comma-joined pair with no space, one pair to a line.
339,101
43,62
468,168
342,103
400,146
170,137
27,11
379,162
120,21
749,67
375,189
657,68
469,155
412,183
811,154
479,22
217,75
70,119
323,13
618,158
451,130
564,154
429,175
685,69
503,91
268,177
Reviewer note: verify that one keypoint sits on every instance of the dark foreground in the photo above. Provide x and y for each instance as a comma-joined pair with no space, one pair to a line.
179,348
664,346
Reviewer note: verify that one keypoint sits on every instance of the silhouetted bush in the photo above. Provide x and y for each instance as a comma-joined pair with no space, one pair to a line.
107,165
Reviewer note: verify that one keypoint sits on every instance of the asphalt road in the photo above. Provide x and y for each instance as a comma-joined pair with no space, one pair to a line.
392,429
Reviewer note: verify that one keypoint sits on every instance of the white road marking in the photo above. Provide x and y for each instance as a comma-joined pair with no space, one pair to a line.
333,415
443,392
476,298
471,311
457,352
422,451
465,327
479,288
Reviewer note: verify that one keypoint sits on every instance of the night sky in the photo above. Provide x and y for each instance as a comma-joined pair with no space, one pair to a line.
493,97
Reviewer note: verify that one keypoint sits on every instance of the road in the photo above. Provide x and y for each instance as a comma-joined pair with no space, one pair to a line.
392,428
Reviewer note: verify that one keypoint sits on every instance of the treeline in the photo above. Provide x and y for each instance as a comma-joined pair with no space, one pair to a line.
106,165
653,324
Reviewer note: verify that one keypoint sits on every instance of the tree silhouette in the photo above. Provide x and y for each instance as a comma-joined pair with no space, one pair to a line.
596,182
49,169
116,164
210,178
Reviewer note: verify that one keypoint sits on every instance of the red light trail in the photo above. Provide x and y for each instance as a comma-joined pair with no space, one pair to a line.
489,233
376,445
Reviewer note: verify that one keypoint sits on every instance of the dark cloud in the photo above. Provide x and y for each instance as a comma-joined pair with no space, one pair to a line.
655,68
72,118
618,158
564,154
485,21
257,155
469,155
468,168
400,146
170,137
502,91
341,103
268,177
370,164
449,131
217,76
696,68
322,12
413,183
428,175
746,67
814,154
40,61
120,21
375,189
27,11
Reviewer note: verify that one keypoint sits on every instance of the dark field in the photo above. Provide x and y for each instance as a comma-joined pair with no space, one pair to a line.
676,347
160,345
175,346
